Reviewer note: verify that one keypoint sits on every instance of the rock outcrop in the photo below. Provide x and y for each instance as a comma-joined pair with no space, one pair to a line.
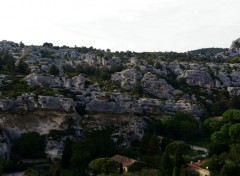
146,86
128,78
156,87
198,78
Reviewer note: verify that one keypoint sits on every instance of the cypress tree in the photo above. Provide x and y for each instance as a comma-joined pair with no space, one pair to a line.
166,166
178,158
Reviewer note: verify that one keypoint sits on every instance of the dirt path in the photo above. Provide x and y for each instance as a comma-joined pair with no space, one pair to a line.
15,174
200,149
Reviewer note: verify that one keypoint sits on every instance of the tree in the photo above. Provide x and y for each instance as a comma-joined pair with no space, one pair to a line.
144,143
137,167
9,62
171,126
48,45
30,145
212,125
231,115
234,132
69,69
234,102
54,170
191,172
230,169
21,44
67,153
53,70
149,172
182,172
178,158
81,155
31,172
166,166
22,67
1,167
175,171
152,145
188,130
104,165
80,160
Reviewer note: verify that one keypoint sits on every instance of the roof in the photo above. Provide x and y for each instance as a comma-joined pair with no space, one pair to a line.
125,161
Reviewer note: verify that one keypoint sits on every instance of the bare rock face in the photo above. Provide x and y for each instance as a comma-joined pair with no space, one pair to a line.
7,138
225,81
41,121
54,149
123,103
175,67
53,81
198,78
34,79
156,87
29,102
115,103
6,104
56,103
3,147
78,81
233,91
128,78
235,77
30,113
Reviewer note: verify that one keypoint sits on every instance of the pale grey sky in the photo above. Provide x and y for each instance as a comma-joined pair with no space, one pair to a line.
139,25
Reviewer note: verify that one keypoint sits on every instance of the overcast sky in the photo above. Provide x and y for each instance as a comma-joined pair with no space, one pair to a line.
135,25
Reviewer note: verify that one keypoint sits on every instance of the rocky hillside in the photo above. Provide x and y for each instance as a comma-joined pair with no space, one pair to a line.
45,87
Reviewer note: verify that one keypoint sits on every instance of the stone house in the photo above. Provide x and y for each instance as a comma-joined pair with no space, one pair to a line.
125,161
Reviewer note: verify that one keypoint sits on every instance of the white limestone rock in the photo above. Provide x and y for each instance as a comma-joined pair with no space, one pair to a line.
128,78
50,102
156,87
198,78
233,91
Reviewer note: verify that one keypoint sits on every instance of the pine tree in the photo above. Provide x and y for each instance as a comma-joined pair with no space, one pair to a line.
67,153
166,166
178,158
153,145
53,70
22,67
182,172
175,171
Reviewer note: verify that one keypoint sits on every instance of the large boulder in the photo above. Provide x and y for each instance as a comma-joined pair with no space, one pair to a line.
6,104
50,102
235,77
115,103
78,81
198,78
128,78
233,91
156,87
34,79
224,79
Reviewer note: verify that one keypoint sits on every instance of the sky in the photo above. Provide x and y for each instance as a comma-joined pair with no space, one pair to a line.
120,25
